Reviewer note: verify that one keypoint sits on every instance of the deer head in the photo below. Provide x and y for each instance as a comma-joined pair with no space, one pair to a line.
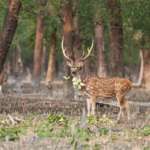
77,64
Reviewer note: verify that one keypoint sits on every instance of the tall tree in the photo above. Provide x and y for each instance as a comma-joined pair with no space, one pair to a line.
99,39
67,18
16,60
76,30
9,28
38,49
86,13
52,59
116,37
146,69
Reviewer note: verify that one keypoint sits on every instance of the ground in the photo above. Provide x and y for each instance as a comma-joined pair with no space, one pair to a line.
45,121
62,132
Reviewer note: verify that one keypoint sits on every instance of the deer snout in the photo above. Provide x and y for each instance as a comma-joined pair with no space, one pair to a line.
73,72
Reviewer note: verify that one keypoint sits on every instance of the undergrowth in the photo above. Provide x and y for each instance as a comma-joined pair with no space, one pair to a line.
81,132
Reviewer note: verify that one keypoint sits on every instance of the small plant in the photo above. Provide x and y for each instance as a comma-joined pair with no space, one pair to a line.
44,130
85,146
10,133
103,131
92,120
104,120
54,126
77,83
147,148
97,147
80,134
58,119
146,130
83,134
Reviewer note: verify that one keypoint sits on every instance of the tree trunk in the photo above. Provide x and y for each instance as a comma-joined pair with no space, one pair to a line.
99,39
18,61
44,59
146,77
67,18
38,50
52,59
76,36
1,81
9,30
116,37
68,31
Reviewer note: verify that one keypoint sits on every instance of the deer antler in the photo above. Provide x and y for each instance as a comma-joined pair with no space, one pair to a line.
89,51
64,50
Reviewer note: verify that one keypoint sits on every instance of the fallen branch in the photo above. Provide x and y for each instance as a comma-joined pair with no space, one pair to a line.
14,120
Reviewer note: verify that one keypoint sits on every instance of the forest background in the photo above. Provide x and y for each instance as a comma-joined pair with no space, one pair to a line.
120,29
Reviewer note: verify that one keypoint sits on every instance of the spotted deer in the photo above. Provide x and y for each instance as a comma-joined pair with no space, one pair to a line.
102,87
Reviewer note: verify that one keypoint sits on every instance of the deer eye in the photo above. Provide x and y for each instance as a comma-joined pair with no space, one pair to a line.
79,68
80,65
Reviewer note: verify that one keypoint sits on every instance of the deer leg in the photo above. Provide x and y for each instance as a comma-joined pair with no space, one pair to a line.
123,104
0,88
120,114
93,107
118,97
126,109
88,103
128,113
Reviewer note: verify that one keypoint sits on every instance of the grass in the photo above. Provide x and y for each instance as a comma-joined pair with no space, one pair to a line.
12,132
85,132
146,130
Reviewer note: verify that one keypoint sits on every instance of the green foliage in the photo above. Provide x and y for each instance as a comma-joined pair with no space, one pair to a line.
137,12
146,130
59,127
136,23
59,119
11,133
86,13
135,20
54,126
97,147
92,120
44,130
3,12
77,83
103,131
54,7
147,148
104,120
83,134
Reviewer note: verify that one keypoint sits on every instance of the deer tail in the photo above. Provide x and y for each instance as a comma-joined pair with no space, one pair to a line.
141,73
